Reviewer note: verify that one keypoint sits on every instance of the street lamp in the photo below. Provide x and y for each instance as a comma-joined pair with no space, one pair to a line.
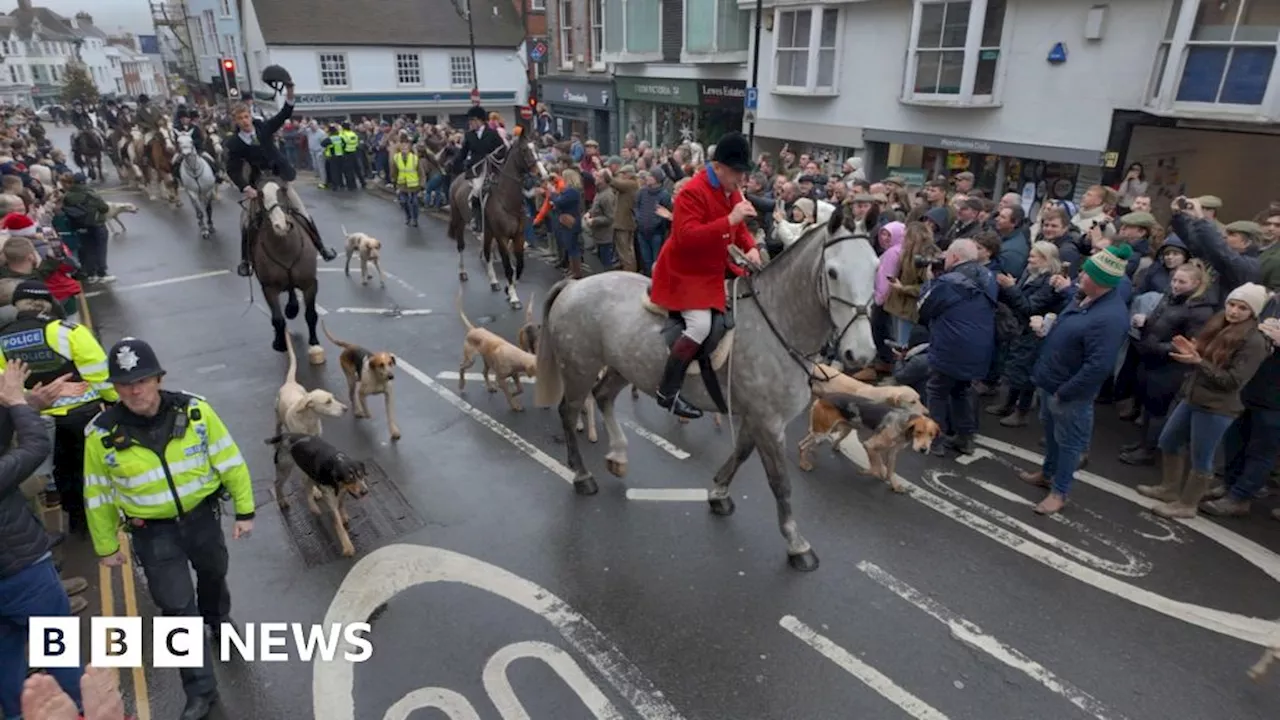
464,11
755,74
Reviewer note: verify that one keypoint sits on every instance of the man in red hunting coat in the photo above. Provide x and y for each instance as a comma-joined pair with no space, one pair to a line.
689,275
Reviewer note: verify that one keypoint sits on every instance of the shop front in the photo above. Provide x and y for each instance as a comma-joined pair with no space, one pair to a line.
583,107
670,111
1036,172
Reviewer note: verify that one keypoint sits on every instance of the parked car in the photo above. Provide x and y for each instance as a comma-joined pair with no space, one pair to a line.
45,113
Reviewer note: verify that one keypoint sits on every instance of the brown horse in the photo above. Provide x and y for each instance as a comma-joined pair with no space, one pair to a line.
87,152
502,222
284,260
159,153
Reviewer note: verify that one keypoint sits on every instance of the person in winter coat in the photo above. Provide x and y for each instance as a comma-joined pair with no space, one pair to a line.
1184,309
1055,227
1078,355
891,238
29,582
86,211
1135,229
1029,296
1233,268
902,302
653,218
599,219
1009,224
1172,255
1224,357
566,214
1250,444
959,308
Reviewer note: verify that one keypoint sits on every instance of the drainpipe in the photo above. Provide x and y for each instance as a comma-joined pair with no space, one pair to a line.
755,73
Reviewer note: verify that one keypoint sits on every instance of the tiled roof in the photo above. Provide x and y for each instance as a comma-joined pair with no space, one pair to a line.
407,23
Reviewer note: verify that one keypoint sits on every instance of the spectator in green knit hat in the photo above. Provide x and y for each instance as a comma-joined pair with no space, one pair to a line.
1107,268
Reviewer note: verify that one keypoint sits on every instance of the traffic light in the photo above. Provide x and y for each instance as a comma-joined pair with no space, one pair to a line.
229,78
533,103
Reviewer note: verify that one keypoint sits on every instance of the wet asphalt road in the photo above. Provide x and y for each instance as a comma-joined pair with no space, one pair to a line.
952,601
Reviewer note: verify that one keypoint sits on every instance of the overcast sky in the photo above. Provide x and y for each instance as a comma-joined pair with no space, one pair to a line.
110,15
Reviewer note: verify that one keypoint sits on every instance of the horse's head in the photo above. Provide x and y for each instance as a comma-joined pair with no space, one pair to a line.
186,146
527,160
135,134
274,204
849,265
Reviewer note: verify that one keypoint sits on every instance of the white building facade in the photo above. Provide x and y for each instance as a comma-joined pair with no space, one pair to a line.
1034,96
422,67
38,45
215,29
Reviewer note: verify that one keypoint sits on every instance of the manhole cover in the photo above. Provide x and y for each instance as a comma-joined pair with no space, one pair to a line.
382,515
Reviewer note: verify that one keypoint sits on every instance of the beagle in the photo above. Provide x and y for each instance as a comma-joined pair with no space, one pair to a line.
367,373
834,416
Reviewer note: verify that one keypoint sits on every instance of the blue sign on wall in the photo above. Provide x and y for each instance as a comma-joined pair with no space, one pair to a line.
149,44
752,99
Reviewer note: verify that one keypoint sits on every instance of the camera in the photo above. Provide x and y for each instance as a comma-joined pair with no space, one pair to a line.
1184,203
936,264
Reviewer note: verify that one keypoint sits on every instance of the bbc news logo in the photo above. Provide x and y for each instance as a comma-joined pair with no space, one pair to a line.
179,642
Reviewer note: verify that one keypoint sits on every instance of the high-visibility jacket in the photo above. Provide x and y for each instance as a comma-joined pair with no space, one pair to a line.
351,141
122,477
334,148
407,170
53,348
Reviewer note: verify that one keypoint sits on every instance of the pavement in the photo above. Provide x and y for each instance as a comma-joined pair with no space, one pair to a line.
951,601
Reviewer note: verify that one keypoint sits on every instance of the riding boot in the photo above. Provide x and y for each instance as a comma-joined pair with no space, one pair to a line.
682,354
244,269
325,252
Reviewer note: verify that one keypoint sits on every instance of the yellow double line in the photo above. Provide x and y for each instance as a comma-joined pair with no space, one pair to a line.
106,587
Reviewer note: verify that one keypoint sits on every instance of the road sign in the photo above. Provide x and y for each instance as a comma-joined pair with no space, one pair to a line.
751,100
538,51
475,96
749,116
526,113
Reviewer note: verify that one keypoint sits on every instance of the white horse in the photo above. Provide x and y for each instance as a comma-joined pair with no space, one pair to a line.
198,180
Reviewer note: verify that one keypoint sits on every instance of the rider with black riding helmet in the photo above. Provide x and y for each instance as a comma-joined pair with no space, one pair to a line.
253,145
185,121
479,143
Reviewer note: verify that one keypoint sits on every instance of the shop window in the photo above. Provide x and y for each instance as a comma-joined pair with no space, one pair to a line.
806,54
715,27
1230,53
956,49
595,35
565,37
632,30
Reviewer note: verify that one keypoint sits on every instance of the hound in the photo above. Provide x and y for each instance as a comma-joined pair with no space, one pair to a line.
367,373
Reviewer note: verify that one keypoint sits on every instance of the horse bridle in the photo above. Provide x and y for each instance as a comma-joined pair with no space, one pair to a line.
859,311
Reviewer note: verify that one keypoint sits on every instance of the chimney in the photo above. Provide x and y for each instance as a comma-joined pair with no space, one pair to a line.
84,18
24,5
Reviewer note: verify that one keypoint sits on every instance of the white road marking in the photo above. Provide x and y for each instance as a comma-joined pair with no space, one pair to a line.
452,704
498,428
973,636
211,368
1257,555
666,445
973,457
157,283
265,311
381,311
390,570
477,377
390,276
668,494
503,695
1253,630
872,678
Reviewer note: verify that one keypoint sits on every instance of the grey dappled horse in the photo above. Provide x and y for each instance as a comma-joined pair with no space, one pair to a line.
284,259
823,282
198,181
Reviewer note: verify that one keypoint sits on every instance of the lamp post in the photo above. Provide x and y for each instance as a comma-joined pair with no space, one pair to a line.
464,10
755,73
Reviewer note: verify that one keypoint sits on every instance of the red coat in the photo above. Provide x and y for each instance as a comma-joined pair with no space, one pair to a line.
690,271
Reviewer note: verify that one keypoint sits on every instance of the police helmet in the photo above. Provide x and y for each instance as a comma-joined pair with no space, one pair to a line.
131,360
276,77
477,113
143,99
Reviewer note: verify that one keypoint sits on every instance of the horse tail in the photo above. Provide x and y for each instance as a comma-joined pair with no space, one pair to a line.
548,389
292,375
462,314
528,311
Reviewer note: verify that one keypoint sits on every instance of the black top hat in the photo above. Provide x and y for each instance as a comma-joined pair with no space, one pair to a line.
478,113
734,152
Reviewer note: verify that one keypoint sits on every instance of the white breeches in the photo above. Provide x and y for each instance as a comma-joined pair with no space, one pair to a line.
697,324
477,184
295,200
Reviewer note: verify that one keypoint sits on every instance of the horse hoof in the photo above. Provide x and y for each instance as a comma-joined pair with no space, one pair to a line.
495,287
723,507
315,354
806,561
517,305
584,484
279,346
617,468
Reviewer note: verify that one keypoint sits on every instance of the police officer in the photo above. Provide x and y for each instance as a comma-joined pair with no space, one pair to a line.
408,180
162,460
350,166
52,348
479,143
333,145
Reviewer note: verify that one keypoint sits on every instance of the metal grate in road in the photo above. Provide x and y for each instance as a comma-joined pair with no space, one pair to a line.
379,517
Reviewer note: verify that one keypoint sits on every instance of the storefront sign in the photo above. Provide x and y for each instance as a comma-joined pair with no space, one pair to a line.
581,94
1074,156
655,90
724,94
915,177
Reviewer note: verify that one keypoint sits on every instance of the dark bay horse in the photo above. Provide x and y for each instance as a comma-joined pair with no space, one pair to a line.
502,224
87,152
284,260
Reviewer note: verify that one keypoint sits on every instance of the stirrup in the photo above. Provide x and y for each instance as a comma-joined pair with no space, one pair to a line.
244,269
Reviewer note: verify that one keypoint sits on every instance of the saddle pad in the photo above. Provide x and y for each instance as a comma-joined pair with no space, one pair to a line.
719,355
657,309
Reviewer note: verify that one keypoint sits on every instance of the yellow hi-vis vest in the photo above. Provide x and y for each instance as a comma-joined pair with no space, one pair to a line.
334,148
407,170
58,348
352,141
124,478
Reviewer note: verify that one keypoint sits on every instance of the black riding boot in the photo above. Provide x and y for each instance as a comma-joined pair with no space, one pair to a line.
325,252
682,354
244,270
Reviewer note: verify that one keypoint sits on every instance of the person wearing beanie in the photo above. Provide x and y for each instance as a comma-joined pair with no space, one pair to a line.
1078,355
1224,356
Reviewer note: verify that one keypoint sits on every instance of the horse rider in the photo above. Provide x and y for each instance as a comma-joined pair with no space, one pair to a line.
147,118
185,122
710,215
80,120
253,145
479,143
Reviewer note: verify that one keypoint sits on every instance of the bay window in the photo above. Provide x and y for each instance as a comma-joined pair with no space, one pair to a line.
714,28
806,50
632,30
956,51
1223,56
